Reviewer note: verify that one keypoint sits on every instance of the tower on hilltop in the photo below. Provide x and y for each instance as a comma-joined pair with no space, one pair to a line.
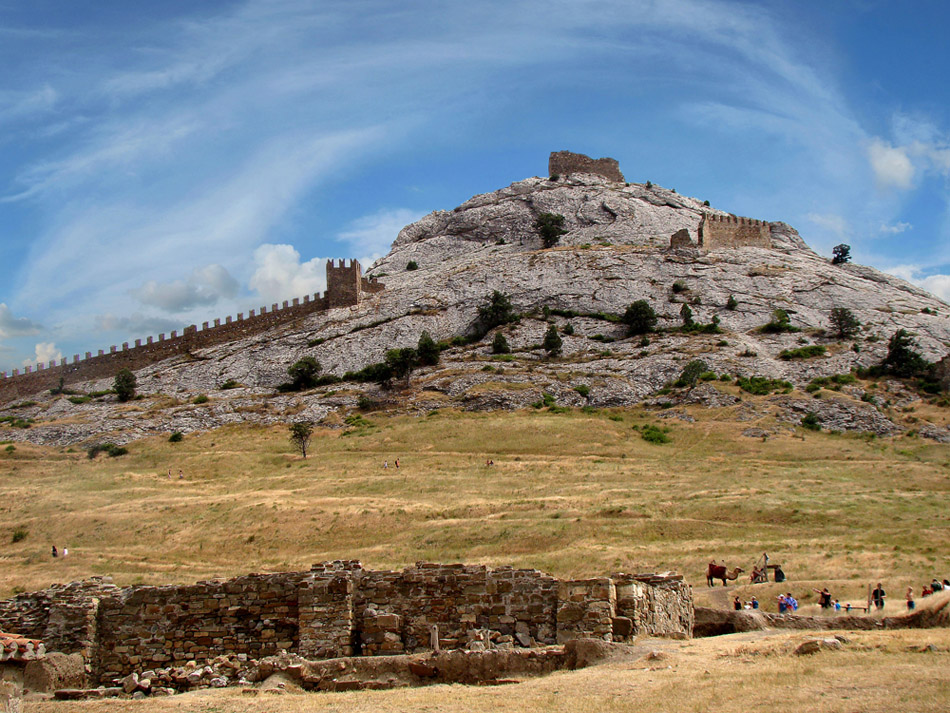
344,283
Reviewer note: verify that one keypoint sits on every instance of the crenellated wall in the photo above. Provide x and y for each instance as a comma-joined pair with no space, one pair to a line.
340,609
345,287
730,231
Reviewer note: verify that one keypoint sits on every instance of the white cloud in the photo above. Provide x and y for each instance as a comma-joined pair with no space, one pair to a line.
834,224
891,165
18,106
45,352
372,235
11,326
279,274
937,284
896,228
136,323
204,287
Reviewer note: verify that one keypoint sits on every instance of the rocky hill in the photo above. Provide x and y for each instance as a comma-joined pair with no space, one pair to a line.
615,249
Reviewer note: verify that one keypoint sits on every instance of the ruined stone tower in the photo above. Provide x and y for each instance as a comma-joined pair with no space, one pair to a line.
343,283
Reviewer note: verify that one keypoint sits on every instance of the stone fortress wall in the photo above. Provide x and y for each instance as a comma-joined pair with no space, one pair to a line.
730,231
345,287
340,609
563,163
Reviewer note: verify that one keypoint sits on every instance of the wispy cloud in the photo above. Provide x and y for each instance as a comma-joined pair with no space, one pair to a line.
204,287
896,228
891,165
136,323
372,235
11,326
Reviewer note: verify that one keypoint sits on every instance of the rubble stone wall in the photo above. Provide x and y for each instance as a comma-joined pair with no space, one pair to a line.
730,231
340,609
562,163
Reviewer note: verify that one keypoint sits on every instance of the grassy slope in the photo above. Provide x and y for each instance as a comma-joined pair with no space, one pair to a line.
573,494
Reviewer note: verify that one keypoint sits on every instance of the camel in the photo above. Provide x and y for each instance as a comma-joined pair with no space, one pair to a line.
719,571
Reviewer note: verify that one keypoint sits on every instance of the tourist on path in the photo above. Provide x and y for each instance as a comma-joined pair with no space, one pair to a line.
910,599
878,596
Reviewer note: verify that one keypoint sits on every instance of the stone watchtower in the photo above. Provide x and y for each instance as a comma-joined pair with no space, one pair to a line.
563,163
344,283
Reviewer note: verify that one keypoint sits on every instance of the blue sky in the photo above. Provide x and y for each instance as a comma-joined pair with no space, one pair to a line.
162,164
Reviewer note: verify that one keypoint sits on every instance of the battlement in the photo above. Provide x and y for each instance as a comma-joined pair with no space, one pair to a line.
345,288
564,163
731,231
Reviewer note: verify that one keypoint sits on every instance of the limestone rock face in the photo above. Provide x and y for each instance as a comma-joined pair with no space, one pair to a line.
616,250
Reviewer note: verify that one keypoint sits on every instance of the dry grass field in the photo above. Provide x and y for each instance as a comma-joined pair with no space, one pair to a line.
876,672
573,494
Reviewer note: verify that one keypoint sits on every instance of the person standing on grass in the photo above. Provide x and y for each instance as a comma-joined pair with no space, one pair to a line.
54,552
824,598
736,604
910,599
878,596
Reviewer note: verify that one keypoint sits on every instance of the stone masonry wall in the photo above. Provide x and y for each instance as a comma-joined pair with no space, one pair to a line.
345,286
729,231
339,609
562,163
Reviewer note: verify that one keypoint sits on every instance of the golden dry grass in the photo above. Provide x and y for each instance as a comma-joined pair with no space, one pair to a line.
877,672
573,494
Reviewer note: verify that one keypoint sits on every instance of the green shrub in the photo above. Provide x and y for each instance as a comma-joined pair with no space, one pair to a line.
10,448
843,323
427,350
16,421
779,323
546,401
762,386
679,286
902,358
552,341
200,399
811,422
708,376
690,373
809,352
640,317
412,265
496,312
365,403
583,390
79,399
229,384
312,343
19,534
654,434
499,344
567,329
551,228
748,353
124,385
110,449
303,375
176,437
732,303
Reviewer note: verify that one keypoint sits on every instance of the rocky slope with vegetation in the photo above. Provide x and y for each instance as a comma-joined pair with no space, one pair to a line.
759,320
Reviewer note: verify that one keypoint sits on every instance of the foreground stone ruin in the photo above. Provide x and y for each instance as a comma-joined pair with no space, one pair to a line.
216,633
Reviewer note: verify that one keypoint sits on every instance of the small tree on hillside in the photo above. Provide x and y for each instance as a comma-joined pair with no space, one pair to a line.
687,314
840,254
124,385
427,350
401,362
303,374
640,317
551,228
300,433
496,312
843,323
552,341
499,344
902,358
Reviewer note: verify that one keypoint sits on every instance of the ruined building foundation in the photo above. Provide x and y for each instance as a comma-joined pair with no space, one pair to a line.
340,609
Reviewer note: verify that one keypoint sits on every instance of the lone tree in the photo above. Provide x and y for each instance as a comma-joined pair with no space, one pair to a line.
687,314
499,345
640,317
902,358
552,341
843,323
427,350
840,254
496,312
551,228
303,374
124,385
300,433
401,362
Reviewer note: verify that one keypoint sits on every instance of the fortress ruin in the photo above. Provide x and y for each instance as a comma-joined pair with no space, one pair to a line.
346,287
339,609
730,231
564,163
